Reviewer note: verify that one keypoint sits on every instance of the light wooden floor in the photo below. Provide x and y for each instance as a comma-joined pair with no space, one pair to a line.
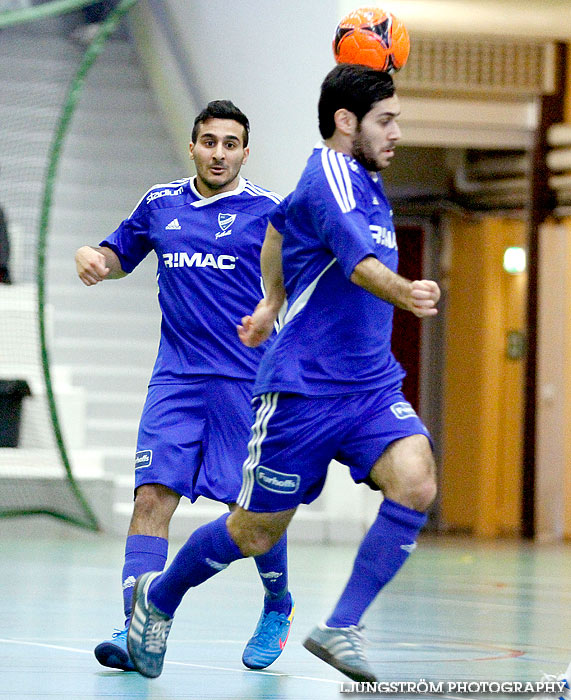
459,610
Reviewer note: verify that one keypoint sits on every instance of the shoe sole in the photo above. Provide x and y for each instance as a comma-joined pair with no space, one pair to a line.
259,665
322,653
112,656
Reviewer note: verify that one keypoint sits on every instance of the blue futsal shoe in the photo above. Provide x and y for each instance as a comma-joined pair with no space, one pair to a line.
269,638
113,652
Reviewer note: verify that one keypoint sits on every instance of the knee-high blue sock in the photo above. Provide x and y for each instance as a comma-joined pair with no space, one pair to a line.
383,551
142,553
272,567
206,552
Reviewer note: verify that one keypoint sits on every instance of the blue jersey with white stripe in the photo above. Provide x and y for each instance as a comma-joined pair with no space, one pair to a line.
336,336
208,251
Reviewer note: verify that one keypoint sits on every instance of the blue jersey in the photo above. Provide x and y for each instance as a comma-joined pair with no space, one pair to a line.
208,251
336,337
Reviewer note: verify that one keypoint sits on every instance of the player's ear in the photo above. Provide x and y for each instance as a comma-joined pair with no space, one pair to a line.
191,150
345,121
246,154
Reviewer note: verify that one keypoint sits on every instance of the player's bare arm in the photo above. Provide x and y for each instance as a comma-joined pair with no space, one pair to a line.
97,263
258,327
419,297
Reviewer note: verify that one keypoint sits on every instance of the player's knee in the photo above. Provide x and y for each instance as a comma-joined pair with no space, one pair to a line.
252,537
422,492
255,542
414,486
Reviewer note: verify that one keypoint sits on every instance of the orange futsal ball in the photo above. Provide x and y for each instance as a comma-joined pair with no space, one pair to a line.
372,37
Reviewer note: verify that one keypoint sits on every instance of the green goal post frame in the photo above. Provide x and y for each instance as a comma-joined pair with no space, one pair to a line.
108,26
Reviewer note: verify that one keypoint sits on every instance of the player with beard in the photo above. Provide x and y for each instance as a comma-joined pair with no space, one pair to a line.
329,386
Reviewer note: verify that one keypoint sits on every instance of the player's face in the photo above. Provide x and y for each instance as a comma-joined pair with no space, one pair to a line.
377,134
218,155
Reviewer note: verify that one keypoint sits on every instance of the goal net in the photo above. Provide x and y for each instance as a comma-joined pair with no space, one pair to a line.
42,72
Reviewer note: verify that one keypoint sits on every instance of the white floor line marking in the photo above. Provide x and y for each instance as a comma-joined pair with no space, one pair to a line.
264,673
204,666
44,645
175,663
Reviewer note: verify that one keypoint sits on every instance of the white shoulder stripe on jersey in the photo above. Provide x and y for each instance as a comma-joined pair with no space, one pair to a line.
331,180
262,190
339,181
338,178
268,403
256,191
304,297
348,183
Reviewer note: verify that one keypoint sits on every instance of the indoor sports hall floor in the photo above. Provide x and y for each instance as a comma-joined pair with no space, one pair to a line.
459,610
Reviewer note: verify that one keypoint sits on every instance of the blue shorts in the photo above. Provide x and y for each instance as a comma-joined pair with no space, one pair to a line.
294,438
193,437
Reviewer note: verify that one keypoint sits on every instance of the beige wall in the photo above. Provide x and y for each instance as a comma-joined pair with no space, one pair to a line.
539,19
553,453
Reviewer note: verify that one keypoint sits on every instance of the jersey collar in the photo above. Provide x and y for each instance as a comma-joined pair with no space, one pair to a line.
203,201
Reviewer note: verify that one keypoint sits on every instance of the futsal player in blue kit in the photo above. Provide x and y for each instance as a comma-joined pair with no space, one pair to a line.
328,387
207,233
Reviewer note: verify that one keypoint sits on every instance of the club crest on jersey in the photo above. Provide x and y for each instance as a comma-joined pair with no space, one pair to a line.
403,410
225,221
278,482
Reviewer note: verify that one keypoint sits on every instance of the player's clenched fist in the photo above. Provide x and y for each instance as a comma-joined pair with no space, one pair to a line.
258,327
425,295
91,265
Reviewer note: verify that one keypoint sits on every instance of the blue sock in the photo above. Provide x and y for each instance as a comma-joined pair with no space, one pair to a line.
383,551
206,552
272,567
142,553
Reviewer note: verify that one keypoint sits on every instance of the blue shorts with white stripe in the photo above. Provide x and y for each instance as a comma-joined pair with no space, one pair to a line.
294,438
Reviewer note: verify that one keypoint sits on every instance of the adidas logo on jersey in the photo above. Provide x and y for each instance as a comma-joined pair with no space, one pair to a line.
173,226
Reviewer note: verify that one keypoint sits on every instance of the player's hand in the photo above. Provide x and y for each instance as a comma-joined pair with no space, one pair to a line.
91,265
258,327
425,295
